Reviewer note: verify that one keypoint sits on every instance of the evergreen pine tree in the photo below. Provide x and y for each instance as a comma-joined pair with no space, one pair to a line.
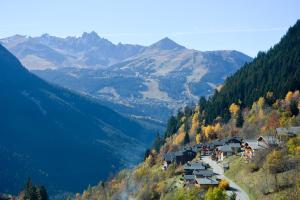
202,103
34,195
29,189
172,127
42,193
239,120
187,111
157,142
147,153
186,126
186,138
260,76
294,108
33,192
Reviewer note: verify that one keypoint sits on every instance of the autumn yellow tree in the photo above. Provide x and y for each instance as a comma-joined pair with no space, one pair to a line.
180,135
209,129
195,123
261,102
293,144
273,121
217,128
275,164
198,138
234,108
285,118
224,184
289,97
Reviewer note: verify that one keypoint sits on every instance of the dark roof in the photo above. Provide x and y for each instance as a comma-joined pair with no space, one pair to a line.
189,177
200,145
194,166
187,148
234,145
269,139
169,157
228,140
206,173
218,142
253,144
184,151
288,130
210,145
179,153
225,148
207,181
195,149
234,139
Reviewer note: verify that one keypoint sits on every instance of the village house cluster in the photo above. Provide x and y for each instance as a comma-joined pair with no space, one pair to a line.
195,171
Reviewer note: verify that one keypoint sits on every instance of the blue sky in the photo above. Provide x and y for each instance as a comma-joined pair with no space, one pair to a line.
244,25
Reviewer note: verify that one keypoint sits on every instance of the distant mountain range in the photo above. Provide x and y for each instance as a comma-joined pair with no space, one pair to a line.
47,51
146,83
63,140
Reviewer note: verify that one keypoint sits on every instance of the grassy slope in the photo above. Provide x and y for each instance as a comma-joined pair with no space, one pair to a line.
237,172
254,182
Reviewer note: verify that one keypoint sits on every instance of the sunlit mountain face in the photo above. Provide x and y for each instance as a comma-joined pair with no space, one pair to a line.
143,82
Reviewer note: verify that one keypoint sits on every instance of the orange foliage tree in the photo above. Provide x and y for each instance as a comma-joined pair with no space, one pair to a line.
234,108
224,184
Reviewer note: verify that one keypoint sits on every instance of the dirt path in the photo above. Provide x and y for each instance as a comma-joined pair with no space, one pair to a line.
241,194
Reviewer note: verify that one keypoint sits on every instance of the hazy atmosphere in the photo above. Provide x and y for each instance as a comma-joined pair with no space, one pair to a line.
149,100
247,26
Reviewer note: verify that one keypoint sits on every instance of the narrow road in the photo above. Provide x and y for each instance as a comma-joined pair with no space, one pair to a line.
241,194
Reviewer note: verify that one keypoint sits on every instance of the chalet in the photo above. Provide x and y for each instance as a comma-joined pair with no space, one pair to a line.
190,179
267,141
198,147
249,148
207,150
180,157
287,132
223,151
218,143
207,182
184,156
203,173
236,147
189,168
168,159
234,139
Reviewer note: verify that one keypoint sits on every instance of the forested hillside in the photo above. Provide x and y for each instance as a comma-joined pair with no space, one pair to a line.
277,70
259,98
62,140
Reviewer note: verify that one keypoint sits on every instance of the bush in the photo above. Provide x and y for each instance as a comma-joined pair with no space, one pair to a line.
224,184
293,145
192,193
140,172
258,160
215,194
